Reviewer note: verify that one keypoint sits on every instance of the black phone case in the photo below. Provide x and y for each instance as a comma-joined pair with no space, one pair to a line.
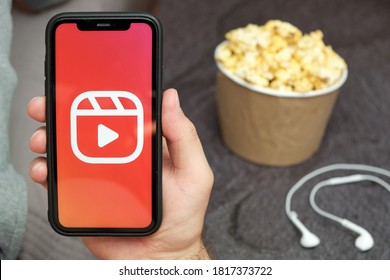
51,120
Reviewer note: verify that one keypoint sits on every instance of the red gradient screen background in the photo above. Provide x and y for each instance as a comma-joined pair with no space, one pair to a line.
103,195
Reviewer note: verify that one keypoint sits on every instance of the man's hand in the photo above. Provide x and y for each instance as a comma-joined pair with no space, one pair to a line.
187,183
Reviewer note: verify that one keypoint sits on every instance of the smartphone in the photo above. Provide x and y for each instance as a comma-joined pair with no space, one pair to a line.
103,108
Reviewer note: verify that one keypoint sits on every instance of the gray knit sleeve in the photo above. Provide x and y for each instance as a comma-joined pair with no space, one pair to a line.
13,192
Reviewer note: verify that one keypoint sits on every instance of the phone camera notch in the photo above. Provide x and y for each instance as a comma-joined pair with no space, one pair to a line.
92,24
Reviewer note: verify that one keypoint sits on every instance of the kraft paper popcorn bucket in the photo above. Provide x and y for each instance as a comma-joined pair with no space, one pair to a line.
272,127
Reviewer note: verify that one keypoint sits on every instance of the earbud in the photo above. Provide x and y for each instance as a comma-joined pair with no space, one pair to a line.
308,239
364,241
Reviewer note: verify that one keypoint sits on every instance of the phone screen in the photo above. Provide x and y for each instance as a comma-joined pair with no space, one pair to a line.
105,126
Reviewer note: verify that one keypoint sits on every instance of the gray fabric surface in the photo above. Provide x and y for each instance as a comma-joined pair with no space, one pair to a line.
246,218
13,191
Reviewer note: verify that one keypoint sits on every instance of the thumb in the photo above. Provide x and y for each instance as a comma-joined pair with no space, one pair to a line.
183,143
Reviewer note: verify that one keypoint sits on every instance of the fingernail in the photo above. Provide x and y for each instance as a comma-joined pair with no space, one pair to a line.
36,166
178,108
33,135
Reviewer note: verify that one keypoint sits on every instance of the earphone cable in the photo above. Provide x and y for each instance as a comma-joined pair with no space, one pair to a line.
339,181
329,168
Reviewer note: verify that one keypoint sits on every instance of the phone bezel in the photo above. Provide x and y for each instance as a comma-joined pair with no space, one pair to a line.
50,91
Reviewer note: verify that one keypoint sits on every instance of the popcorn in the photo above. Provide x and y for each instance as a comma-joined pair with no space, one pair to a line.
277,55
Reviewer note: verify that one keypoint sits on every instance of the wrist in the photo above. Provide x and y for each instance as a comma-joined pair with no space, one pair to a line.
199,252
196,251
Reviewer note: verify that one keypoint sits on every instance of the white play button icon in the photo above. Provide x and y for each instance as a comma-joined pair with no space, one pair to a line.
106,135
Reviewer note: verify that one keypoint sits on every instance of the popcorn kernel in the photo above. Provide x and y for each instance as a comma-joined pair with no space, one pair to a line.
279,56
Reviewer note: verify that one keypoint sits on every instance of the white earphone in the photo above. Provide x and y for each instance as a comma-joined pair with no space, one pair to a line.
364,241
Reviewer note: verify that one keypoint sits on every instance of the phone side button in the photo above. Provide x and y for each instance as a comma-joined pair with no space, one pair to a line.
45,68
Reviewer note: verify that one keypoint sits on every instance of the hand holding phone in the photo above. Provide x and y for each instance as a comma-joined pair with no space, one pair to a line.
187,183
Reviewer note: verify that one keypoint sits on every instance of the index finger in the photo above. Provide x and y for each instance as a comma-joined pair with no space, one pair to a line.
36,108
